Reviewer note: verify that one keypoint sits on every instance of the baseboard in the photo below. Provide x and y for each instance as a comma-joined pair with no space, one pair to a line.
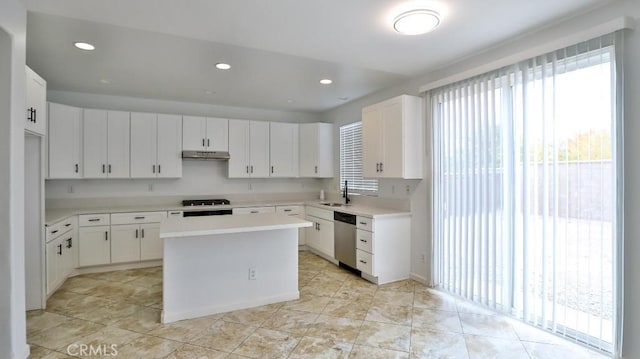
201,312
23,354
115,267
418,278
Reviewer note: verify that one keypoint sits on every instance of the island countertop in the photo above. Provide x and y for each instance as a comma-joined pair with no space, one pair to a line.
209,225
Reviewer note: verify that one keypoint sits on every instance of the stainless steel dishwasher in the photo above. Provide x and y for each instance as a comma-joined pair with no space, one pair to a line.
344,229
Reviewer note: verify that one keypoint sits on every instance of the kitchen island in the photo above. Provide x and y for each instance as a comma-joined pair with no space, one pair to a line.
218,264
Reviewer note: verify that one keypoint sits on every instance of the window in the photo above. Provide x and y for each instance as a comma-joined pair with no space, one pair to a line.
525,192
351,160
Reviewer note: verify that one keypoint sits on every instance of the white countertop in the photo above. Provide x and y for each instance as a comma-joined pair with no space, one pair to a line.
212,225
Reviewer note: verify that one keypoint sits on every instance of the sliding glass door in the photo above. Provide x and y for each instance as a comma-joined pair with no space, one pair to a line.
525,191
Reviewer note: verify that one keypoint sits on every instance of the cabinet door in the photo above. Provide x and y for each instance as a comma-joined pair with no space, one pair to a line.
94,246
68,257
65,141
94,137
311,234
125,243
144,139
151,246
169,146
284,149
217,134
391,153
325,237
259,149
371,141
308,150
324,150
53,258
118,144
194,133
36,116
239,149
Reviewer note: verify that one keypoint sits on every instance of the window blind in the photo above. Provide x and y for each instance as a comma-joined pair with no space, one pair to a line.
351,160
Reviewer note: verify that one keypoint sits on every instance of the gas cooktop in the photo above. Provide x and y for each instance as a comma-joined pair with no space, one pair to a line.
205,202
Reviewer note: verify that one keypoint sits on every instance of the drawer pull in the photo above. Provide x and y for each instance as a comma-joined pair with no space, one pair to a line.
363,223
139,217
287,210
54,232
94,220
363,262
67,225
174,213
254,212
362,240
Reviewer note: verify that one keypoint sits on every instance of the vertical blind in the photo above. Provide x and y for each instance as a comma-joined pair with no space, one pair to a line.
351,159
525,192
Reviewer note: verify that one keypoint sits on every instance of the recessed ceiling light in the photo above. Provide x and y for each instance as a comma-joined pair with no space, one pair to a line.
84,46
326,82
416,22
290,101
222,66
209,92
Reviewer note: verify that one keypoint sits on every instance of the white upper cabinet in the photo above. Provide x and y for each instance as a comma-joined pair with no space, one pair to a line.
393,138
248,149
65,141
36,115
316,150
156,145
205,134
106,144
284,149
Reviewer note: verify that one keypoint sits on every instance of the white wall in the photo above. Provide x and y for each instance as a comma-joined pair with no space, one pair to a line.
13,18
420,196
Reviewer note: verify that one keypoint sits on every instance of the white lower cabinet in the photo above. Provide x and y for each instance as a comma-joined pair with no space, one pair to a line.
125,243
151,245
60,253
136,236
383,248
94,246
319,236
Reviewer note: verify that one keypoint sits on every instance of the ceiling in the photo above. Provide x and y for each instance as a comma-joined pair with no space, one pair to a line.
278,49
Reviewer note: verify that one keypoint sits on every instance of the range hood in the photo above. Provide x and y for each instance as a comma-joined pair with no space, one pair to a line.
205,155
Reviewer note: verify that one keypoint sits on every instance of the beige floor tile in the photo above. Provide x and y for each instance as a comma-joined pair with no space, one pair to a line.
109,313
321,286
188,351
113,290
146,347
184,330
223,336
121,276
146,281
553,351
465,306
427,344
356,290
388,313
267,343
431,300
308,303
407,285
290,321
142,321
436,320
252,316
146,296
393,298
480,347
487,325
40,320
307,275
354,309
72,304
321,349
385,336
38,352
82,285
64,334
58,355
339,329
364,352
530,333
104,339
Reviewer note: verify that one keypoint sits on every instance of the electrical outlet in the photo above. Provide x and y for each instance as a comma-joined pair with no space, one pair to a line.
252,273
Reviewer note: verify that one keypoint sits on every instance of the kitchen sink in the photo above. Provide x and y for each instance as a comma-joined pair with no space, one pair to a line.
334,204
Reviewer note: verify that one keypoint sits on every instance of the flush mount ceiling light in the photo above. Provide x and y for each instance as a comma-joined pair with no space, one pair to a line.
84,46
326,82
222,66
416,22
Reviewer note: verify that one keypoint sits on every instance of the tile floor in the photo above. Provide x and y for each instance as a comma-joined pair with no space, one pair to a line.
338,315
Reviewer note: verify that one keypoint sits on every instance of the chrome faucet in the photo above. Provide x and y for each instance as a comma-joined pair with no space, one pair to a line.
345,194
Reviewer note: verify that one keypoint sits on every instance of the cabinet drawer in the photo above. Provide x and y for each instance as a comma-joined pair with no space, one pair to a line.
320,213
365,223
290,210
138,217
364,262
59,229
364,240
90,220
254,210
